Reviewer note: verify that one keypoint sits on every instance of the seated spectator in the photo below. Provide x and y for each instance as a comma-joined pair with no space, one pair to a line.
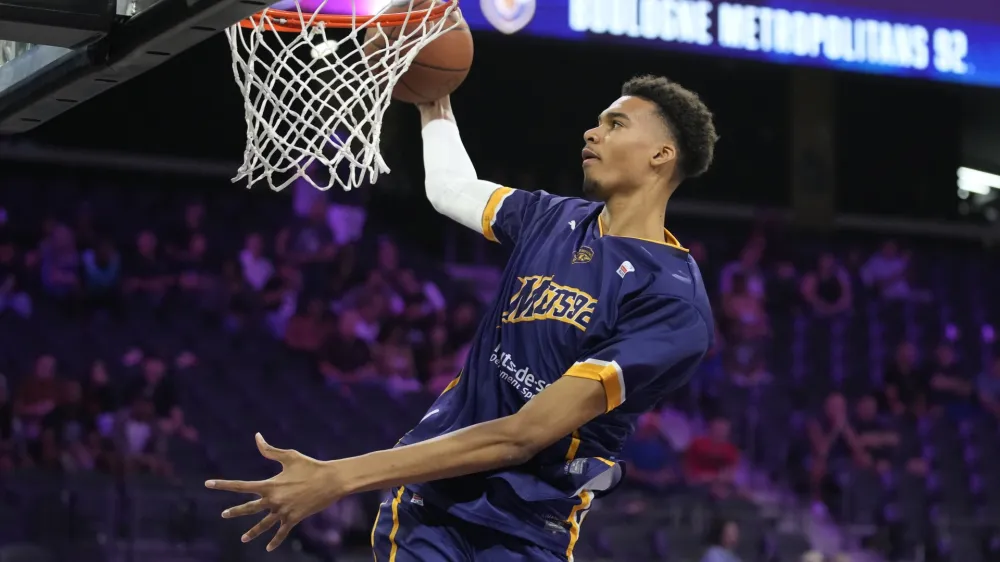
784,295
988,389
280,299
37,396
101,398
747,267
711,460
13,278
436,360
464,323
146,272
179,237
346,358
653,465
102,278
950,391
7,449
827,289
309,244
175,424
257,268
422,301
394,362
723,540
834,445
307,330
60,264
888,272
876,438
754,375
72,425
193,267
156,386
140,439
746,321
905,383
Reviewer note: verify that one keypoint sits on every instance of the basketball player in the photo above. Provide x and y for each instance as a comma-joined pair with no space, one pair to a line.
601,313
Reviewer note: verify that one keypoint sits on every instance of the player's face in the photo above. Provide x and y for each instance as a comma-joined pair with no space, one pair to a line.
623,151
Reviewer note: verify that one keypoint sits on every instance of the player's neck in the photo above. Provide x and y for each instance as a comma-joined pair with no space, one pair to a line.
635,215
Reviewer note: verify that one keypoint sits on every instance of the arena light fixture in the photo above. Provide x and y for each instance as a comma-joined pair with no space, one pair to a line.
976,181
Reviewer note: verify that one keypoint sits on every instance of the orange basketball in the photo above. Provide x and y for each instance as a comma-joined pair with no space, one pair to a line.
441,65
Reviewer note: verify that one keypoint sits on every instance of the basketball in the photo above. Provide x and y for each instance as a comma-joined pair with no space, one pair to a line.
441,65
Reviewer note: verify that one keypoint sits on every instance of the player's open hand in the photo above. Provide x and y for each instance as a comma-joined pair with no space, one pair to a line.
303,487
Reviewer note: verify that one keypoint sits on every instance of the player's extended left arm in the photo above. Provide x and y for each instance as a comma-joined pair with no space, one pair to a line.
565,406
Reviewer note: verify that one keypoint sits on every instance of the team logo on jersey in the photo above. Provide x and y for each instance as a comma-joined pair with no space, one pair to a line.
540,298
508,16
583,255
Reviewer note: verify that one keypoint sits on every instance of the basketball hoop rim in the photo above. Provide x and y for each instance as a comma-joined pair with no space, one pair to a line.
286,21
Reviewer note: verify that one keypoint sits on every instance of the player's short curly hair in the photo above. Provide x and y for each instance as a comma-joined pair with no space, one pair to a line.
687,117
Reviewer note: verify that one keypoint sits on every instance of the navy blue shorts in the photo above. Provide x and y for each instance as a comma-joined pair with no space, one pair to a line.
407,530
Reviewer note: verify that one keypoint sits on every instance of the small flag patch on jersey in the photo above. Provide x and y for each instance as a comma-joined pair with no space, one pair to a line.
625,268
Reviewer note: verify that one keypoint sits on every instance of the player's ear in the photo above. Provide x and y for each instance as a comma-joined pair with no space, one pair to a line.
665,154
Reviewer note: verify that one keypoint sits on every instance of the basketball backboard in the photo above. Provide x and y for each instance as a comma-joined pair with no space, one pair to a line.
55,54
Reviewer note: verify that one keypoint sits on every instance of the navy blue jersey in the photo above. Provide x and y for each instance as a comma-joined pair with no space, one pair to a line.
630,313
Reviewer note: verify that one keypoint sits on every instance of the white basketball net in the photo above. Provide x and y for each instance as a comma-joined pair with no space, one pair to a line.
313,100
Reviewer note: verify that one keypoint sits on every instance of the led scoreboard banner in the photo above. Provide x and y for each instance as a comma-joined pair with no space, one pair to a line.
955,41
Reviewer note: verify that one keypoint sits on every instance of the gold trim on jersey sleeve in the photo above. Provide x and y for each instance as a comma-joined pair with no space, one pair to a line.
490,212
608,373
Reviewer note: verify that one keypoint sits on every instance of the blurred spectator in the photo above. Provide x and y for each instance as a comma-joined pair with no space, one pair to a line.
876,438
102,278
745,319
723,539
346,358
7,451
783,288
464,322
711,460
436,360
329,528
833,443
747,267
905,383
309,245
888,272
72,425
141,441
37,396
179,240
193,267
394,361
950,390
988,389
257,268
101,398
13,276
421,300
827,289
59,264
280,299
155,386
147,274
753,375
653,465
307,330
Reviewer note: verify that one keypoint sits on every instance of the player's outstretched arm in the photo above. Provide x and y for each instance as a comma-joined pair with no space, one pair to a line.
452,185
306,485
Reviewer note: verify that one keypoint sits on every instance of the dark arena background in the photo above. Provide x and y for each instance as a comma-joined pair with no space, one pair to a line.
155,315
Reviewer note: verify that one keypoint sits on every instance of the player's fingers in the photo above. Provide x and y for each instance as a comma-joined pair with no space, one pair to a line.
280,536
249,508
265,524
269,452
239,486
